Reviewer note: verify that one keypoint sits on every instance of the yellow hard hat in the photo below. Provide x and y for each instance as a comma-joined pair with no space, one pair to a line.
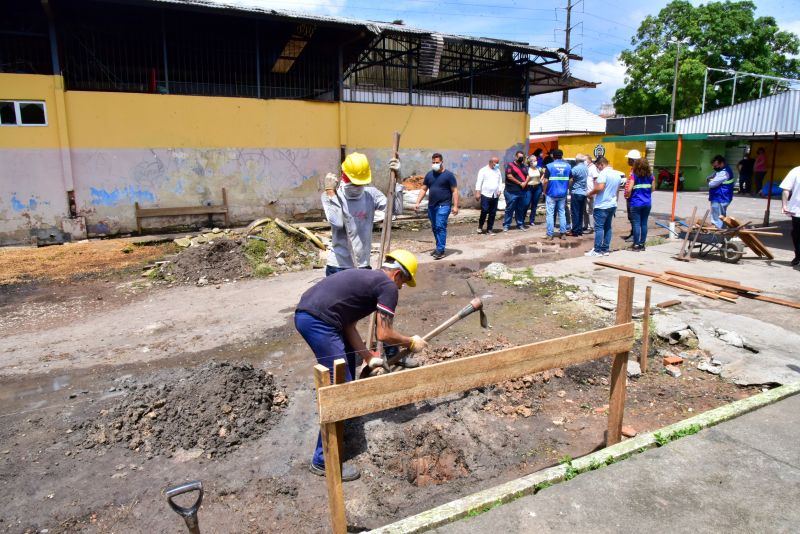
356,167
408,261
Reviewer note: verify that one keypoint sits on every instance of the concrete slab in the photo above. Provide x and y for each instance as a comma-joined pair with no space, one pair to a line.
741,476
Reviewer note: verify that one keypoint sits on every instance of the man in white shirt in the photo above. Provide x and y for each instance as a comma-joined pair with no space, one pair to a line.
791,207
487,191
605,206
593,174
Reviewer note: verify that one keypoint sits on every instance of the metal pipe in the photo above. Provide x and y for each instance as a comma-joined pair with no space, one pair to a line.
705,83
733,94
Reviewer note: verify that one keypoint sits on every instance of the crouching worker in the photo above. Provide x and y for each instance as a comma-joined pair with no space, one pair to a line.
327,314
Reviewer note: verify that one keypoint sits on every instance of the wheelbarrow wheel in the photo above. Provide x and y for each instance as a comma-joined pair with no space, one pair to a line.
732,251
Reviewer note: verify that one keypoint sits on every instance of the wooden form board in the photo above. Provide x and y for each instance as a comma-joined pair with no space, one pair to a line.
748,239
722,282
645,331
619,366
362,397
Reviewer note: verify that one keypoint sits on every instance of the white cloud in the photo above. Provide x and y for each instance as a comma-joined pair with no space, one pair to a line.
790,26
610,74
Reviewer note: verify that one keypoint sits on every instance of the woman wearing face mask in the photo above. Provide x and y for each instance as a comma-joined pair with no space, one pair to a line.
350,207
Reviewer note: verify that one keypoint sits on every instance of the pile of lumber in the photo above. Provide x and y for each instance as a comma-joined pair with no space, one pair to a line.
750,237
713,288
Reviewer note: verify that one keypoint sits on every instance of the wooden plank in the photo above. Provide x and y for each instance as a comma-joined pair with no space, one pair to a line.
384,392
619,366
703,286
751,241
782,302
730,284
333,466
339,377
668,303
756,232
645,330
192,210
708,294
692,221
627,269
696,235
225,205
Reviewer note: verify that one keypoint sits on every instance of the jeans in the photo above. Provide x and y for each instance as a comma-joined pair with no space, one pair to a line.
718,209
516,205
328,345
639,215
577,206
488,210
551,204
438,217
536,195
602,228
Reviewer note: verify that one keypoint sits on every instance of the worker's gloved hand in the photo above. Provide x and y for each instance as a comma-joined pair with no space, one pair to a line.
331,181
417,344
394,164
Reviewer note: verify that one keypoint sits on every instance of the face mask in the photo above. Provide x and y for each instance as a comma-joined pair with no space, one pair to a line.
436,167
352,191
520,159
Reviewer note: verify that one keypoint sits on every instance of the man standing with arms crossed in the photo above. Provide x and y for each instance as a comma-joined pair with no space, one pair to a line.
442,201
516,192
487,192
720,189
555,181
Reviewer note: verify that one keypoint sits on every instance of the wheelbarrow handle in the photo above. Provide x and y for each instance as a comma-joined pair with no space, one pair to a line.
189,513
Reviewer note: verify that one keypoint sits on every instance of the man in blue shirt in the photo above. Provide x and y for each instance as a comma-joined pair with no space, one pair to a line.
606,187
578,176
442,201
555,182
720,189
516,193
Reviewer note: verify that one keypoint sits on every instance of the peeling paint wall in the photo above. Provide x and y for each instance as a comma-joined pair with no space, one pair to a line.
269,155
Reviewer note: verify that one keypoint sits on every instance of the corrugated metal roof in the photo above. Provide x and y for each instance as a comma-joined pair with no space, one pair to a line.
373,26
568,118
776,113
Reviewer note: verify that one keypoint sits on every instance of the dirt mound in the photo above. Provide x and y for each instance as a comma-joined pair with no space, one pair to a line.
413,183
210,412
434,459
215,261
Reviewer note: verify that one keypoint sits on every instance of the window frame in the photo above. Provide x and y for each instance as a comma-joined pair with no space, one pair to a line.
18,113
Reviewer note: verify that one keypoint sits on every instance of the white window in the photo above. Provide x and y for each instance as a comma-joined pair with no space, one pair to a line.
22,113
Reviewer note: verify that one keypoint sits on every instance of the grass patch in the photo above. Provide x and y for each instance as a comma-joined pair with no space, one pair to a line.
662,440
655,241
262,254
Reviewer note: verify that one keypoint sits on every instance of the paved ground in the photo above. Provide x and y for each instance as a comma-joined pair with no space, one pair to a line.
740,476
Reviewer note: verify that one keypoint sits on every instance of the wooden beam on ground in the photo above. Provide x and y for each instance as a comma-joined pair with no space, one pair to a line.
384,392
633,270
645,330
333,466
782,302
619,366
729,284
703,286
668,303
709,294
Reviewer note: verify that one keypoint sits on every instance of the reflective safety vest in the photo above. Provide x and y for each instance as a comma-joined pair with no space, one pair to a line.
724,192
558,178
642,189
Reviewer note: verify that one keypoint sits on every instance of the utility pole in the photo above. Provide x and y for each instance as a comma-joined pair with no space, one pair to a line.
565,66
675,80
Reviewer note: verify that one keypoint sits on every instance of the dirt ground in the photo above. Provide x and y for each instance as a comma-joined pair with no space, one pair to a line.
90,443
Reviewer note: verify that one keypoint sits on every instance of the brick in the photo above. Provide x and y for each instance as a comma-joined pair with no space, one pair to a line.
673,360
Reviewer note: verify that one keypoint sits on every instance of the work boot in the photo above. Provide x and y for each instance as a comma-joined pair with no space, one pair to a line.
408,362
349,471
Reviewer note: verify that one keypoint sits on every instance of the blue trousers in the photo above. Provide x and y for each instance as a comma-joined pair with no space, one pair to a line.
536,195
639,215
552,204
577,206
602,228
516,206
438,217
328,345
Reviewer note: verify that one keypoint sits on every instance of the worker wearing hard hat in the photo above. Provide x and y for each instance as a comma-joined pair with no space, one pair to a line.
350,203
327,314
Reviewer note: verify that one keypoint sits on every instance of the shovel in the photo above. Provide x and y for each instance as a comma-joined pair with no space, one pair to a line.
189,514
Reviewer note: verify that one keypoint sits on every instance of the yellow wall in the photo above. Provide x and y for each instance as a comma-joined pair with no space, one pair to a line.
615,152
787,158
30,87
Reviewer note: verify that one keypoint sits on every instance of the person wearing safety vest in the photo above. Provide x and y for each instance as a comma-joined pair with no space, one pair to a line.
555,182
720,189
639,195
350,207
327,314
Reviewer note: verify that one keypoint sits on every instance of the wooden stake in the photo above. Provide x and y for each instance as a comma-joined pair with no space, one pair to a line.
616,403
333,466
696,234
681,254
645,330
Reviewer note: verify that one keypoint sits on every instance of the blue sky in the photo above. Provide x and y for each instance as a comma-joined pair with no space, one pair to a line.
602,28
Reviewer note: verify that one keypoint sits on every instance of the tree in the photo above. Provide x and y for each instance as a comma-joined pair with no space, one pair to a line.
723,35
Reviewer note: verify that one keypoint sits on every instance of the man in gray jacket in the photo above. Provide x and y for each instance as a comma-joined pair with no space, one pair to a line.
350,206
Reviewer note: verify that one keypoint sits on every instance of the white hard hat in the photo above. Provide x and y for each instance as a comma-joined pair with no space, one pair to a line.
633,154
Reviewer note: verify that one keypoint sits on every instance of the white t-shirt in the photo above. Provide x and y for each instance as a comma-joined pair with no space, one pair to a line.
593,174
490,182
607,198
792,184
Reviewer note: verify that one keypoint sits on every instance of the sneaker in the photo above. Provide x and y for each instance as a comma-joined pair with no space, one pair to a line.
491,232
349,471
593,253
505,228
562,236
549,238
433,252
606,253
438,255
525,226
480,231
408,362
795,261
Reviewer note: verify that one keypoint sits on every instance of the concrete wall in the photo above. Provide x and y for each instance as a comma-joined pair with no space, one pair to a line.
170,150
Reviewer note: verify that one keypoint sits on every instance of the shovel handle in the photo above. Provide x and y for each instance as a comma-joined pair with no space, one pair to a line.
189,513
